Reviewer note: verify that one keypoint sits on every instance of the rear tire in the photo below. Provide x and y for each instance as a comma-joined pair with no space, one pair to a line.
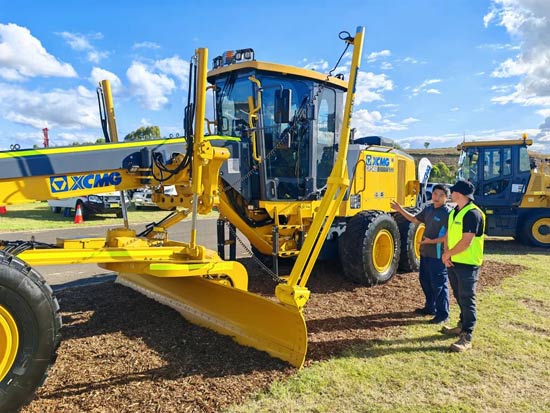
29,331
535,230
411,234
369,249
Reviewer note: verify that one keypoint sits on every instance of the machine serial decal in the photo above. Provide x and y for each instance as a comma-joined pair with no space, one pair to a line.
379,163
65,183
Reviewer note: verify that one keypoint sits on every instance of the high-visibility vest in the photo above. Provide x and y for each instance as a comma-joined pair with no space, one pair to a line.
473,255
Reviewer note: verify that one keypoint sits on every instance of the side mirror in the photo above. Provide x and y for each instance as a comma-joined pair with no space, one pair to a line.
283,103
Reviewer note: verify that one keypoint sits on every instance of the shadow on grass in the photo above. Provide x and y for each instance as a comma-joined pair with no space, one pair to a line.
379,348
370,321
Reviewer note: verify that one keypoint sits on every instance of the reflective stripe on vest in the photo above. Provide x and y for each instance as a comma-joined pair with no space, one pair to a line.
473,255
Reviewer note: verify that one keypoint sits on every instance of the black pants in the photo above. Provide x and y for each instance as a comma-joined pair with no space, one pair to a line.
463,280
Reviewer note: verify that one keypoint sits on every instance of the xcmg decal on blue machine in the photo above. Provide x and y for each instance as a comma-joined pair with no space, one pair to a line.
65,183
379,163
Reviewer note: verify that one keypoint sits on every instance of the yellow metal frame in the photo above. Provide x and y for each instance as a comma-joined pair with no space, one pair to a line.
295,293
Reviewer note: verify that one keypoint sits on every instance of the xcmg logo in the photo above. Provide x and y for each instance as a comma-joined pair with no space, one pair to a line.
377,161
65,183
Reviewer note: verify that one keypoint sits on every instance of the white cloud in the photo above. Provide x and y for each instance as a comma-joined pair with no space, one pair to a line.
149,87
371,86
541,136
423,87
319,66
71,109
455,109
176,67
376,55
499,46
65,138
528,21
372,123
95,56
81,43
386,66
22,56
98,74
145,45
411,60
544,112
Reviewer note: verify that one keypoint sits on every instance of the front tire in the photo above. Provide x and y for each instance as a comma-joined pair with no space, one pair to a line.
29,331
411,234
369,249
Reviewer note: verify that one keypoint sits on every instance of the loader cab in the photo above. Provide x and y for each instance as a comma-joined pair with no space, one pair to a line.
282,123
500,171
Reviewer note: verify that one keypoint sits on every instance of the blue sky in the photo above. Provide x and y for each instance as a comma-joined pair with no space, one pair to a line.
432,71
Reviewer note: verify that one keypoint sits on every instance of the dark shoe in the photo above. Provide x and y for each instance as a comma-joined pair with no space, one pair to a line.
451,331
462,344
437,320
423,311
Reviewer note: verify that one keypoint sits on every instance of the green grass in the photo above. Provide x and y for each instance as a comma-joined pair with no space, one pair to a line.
507,370
38,216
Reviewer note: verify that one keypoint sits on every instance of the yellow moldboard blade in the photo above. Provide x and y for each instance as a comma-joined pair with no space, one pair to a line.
248,318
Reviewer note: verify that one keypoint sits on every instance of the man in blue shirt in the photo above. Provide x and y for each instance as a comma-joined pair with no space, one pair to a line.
433,273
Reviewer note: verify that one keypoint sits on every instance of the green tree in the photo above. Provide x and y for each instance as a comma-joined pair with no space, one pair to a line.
426,144
442,173
143,133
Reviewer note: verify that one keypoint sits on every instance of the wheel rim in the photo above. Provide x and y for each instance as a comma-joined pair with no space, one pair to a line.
9,341
383,250
541,230
417,239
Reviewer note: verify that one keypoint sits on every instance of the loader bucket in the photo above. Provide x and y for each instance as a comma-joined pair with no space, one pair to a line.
248,318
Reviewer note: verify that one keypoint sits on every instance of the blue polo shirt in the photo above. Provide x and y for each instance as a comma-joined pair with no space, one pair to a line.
436,220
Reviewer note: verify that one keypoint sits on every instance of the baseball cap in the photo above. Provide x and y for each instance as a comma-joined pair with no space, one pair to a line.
465,188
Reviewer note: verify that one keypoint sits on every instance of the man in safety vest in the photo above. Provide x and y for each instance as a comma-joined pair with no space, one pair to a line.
463,257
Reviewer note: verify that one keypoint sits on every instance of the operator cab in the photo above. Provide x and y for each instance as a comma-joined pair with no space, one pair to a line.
281,124
500,172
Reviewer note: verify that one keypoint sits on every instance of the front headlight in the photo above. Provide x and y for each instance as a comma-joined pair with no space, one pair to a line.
95,199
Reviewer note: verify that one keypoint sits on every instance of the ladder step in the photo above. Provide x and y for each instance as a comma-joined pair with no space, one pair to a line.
291,253
289,226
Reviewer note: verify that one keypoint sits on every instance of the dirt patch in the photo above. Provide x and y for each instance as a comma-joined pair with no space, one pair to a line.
123,352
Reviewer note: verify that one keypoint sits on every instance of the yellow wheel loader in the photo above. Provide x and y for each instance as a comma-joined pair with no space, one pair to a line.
279,164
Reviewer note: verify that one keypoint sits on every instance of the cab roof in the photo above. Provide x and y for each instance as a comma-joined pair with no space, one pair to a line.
280,70
511,142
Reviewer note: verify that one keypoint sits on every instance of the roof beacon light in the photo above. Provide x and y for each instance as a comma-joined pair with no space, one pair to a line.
233,56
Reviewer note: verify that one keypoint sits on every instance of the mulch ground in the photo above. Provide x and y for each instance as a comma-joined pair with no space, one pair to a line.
122,352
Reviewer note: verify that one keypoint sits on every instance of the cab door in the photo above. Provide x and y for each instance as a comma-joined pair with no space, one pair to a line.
503,178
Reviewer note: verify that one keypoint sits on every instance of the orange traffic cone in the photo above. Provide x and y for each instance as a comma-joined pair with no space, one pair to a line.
3,210
78,219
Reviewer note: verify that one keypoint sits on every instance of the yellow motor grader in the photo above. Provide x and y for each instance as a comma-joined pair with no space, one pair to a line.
278,162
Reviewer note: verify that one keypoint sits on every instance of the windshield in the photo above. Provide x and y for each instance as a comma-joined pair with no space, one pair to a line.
284,146
297,147
232,104
467,165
